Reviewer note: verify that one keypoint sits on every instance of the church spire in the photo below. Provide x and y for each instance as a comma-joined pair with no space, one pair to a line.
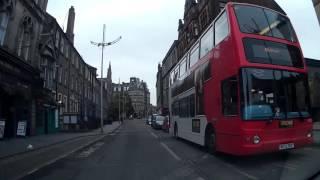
109,76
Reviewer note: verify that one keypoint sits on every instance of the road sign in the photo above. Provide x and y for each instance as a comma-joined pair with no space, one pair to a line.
2,126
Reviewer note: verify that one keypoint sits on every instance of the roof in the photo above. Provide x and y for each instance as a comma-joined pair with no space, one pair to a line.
312,62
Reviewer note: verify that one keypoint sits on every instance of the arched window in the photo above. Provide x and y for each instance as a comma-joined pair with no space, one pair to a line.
24,41
5,7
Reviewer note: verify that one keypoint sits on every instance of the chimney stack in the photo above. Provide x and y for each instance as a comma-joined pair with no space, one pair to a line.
70,27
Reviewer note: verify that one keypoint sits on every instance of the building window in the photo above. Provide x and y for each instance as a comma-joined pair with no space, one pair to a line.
222,5
60,75
66,50
61,45
24,41
204,19
65,77
65,102
4,18
230,96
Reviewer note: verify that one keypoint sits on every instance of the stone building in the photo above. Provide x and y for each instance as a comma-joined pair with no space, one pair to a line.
75,81
316,4
23,100
45,84
139,95
107,94
314,86
196,18
159,88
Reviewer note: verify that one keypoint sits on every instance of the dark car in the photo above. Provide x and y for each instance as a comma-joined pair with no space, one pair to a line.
158,121
166,124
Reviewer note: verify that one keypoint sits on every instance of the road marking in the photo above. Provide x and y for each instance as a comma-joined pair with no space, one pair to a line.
309,149
60,157
171,152
154,135
241,172
200,178
205,156
86,153
287,166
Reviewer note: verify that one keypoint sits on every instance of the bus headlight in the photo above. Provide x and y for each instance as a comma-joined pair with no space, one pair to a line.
309,135
256,139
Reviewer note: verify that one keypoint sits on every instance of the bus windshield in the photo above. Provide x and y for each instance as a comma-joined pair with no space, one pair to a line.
260,21
274,94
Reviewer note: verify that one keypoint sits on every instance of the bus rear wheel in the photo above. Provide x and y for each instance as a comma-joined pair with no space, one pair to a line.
211,141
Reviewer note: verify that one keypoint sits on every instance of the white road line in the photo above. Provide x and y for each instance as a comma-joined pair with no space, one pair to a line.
200,178
290,167
60,157
309,149
241,172
171,152
154,135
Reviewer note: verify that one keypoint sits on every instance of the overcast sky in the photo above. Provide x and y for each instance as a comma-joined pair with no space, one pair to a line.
148,28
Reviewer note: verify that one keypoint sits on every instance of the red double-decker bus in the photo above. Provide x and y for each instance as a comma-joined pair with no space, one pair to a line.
242,87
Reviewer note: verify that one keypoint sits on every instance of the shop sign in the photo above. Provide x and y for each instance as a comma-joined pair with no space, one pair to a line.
22,128
2,126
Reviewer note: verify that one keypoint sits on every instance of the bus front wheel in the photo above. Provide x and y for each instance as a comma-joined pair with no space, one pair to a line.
211,141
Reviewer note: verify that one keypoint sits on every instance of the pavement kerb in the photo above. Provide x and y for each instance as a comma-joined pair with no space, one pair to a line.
56,143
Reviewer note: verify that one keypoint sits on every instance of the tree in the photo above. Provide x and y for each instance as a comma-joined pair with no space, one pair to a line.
127,108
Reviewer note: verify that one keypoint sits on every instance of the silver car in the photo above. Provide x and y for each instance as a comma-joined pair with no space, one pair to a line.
157,122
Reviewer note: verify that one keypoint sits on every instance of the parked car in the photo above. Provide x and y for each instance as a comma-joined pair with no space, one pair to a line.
166,124
148,120
153,118
157,123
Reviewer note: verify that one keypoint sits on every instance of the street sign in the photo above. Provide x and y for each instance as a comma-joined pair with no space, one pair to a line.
22,127
2,126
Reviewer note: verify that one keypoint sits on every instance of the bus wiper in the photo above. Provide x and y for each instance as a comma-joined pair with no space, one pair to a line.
250,29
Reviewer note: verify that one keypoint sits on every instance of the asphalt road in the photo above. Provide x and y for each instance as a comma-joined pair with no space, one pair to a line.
137,152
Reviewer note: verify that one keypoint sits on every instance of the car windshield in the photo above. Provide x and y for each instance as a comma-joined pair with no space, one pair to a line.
273,94
264,22
160,118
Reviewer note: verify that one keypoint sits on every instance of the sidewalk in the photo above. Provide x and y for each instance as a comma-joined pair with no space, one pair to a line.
19,145
316,126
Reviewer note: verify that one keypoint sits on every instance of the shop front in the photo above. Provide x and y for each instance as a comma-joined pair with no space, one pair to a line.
18,80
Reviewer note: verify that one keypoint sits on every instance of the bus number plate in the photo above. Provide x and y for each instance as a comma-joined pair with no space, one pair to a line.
286,146
286,124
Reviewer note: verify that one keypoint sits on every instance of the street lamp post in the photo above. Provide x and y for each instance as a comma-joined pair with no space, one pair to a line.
103,44
119,101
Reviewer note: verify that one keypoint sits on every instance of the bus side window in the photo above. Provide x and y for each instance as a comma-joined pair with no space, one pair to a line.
207,42
192,106
221,28
229,93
